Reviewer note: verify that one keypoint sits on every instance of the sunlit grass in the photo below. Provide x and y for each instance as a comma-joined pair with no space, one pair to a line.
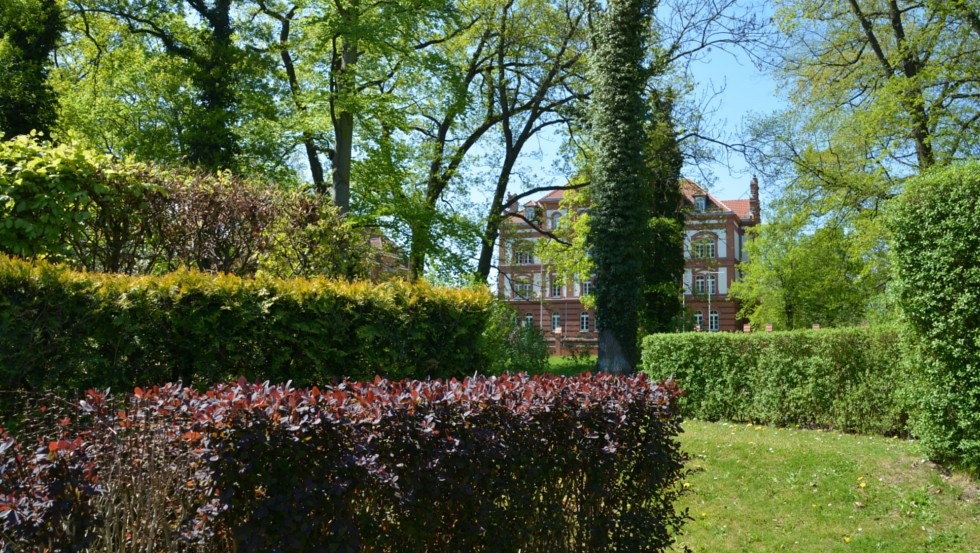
768,489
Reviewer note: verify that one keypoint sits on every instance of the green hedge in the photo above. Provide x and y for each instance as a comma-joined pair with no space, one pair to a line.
935,224
61,328
848,379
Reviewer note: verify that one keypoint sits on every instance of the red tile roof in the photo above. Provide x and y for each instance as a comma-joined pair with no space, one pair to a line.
740,207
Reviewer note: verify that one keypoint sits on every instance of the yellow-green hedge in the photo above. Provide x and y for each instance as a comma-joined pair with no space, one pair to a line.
62,328
850,379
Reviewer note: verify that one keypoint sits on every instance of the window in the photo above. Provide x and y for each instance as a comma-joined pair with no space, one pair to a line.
587,288
583,322
700,203
705,248
555,287
555,218
698,320
713,322
555,321
522,289
529,320
699,284
523,257
530,213
712,284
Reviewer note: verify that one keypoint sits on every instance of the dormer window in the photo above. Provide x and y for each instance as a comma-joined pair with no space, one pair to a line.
700,203
530,212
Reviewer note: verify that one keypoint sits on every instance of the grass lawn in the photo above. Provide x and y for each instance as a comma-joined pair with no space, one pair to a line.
569,366
768,489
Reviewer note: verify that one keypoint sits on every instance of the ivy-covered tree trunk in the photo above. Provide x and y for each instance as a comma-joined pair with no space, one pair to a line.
620,178
664,261
29,32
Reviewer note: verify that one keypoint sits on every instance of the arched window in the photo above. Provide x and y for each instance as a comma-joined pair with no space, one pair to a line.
698,320
713,322
699,284
522,288
555,321
583,322
705,246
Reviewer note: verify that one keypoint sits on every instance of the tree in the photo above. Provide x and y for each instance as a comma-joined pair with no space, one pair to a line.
664,258
29,32
205,38
881,90
798,277
540,80
619,178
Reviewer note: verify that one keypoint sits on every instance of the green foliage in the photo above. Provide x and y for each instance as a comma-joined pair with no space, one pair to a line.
70,204
620,200
795,278
847,379
65,329
29,32
936,229
511,345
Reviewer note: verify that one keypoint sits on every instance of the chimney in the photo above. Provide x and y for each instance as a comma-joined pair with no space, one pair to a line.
754,210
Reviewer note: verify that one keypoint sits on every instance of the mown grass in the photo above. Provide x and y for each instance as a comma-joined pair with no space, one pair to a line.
769,489
570,366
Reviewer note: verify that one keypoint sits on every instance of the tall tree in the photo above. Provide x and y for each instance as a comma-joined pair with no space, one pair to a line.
539,84
620,177
881,90
203,36
664,239
29,33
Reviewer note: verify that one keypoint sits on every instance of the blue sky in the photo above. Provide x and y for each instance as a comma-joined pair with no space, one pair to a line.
746,91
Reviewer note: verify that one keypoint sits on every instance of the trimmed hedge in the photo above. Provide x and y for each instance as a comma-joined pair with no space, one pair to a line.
935,224
512,463
65,329
847,379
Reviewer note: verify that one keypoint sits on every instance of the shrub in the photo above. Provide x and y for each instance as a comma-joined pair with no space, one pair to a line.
65,329
848,379
936,242
511,463
67,204
513,346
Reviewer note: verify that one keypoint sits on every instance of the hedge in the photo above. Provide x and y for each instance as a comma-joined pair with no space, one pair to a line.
65,329
513,463
935,225
847,379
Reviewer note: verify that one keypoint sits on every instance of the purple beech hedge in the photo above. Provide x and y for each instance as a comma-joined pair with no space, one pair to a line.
509,463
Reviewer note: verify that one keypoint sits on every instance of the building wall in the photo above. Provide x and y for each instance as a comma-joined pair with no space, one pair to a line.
727,226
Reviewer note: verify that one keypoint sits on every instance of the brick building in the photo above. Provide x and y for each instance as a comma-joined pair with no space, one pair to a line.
714,245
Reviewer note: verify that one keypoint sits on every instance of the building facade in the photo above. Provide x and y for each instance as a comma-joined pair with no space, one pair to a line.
714,245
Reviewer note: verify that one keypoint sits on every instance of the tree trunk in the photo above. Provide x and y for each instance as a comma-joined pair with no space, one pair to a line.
344,125
612,357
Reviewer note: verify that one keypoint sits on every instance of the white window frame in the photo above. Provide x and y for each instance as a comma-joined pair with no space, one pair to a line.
523,289
712,284
700,203
699,320
583,322
529,319
587,287
714,322
699,284
555,321
555,287
555,218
